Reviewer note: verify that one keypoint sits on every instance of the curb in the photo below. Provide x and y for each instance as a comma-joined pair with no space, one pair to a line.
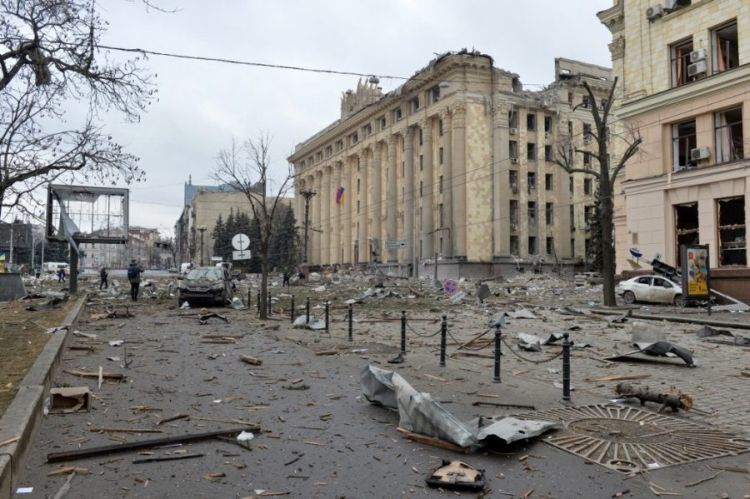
24,413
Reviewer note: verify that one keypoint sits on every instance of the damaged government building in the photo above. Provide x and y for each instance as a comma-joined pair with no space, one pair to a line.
456,162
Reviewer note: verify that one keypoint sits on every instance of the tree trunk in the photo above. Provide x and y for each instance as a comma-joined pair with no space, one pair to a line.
608,254
264,284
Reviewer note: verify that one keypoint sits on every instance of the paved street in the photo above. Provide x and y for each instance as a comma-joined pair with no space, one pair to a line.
326,440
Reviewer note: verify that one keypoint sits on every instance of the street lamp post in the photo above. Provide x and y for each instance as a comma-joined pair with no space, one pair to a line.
439,229
202,229
307,195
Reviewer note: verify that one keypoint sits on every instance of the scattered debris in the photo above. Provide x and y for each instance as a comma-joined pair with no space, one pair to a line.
619,377
672,398
9,441
69,399
480,403
116,343
166,458
522,314
204,318
529,342
88,374
251,360
457,475
244,439
172,418
214,476
66,470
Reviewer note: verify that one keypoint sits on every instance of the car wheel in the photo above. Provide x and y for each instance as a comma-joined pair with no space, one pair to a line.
628,297
679,301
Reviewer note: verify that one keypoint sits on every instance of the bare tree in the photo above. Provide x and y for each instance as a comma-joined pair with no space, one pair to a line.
605,177
246,168
50,58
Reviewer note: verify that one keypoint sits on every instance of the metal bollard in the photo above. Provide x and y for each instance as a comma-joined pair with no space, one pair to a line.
326,316
258,300
268,298
443,335
566,366
498,353
291,313
403,332
249,298
307,310
351,319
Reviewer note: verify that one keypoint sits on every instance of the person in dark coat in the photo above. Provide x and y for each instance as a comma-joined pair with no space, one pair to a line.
103,283
134,276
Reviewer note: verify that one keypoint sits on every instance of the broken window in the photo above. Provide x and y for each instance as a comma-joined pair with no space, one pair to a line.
732,240
548,124
548,182
397,114
383,122
531,181
548,153
729,145
726,54
513,214
588,212
532,212
548,213
587,186
513,150
531,121
550,246
514,245
531,151
532,245
435,93
513,180
587,136
414,104
686,227
585,101
367,129
680,57
683,141
512,118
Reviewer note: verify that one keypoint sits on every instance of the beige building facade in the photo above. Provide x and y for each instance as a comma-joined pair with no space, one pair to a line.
684,76
456,162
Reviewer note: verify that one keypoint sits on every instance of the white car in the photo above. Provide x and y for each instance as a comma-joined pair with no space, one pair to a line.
650,288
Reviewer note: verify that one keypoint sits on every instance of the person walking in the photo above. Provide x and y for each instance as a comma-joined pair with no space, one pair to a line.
134,276
103,283
61,275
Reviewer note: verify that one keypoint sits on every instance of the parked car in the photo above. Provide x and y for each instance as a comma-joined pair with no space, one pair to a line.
650,288
206,284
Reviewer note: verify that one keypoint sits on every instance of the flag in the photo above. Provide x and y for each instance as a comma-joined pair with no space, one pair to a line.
340,195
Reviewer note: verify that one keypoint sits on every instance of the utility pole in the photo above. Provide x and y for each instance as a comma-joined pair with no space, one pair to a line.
202,229
11,244
307,195
439,229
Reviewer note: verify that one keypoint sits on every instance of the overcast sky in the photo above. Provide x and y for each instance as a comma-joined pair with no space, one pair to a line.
203,105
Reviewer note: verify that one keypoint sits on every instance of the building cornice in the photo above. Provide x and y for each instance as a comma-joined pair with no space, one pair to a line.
691,91
688,178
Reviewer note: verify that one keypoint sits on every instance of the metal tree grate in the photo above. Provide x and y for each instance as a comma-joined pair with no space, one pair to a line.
627,439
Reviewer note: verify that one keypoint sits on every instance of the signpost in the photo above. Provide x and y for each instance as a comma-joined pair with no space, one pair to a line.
241,243
241,255
393,244
696,273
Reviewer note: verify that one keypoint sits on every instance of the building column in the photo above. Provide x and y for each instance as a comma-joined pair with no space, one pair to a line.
336,236
317,224
326,222
391,197
458,185
448,182
428,186
348,208
364,173
501,191
409,188
377,203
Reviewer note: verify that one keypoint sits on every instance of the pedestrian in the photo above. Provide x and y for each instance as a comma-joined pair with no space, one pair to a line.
38,271
134,276
61,275
286,280
103,283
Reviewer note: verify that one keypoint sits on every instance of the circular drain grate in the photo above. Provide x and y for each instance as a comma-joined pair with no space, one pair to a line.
627,439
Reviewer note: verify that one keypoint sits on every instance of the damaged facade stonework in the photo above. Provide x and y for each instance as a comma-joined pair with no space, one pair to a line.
457,162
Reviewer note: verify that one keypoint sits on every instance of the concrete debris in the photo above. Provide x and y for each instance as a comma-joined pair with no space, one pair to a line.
204,318
58,329
185,306
314,324
116,343
237,303
708,332
456,475
529,342
67,400
616,319
457,297
522,314
320,289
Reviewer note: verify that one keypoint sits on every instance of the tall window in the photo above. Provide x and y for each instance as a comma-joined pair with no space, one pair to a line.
550,246
531,121
548,124
531,181
532,212
680,57
725,49
531,151
513,149
513,180
512,118
729,145
548,182
732,242
587,186
548,213
440,184
548,152
683,141
514,245
513,213
532,246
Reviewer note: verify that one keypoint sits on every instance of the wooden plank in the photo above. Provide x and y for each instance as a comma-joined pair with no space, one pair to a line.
620,377
434,442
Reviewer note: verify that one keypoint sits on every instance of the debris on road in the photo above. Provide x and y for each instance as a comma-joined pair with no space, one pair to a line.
672,398
457,475
247,359
69,399
166,458
204,318
88,374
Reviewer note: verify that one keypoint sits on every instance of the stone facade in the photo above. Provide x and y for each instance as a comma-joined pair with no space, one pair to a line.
683,80
456,162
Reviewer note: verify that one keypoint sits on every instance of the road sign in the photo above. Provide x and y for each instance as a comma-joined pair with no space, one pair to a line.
241,255
395,244
240,242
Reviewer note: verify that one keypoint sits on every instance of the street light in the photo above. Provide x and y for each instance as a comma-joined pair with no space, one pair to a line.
439,229
201,229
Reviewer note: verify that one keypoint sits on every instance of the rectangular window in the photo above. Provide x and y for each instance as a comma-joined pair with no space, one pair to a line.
531,121
441,217
440,155
421,136
358,186
570,185
683,141
732,241
531,181
572,218
548,124
354,138
383,122
513,216
550,246
548,153
513,180
435,94
570,98
358,206
440,128
587,137
729,145
339,146
680,59
548,213
440,184
570,128
421,162
513,150
726,54
512,118
397,114
587,186
572,247
414,104
588,212
686,227
367,129
586,159
585,101
548,182
531,207
531,151
514,245
532,246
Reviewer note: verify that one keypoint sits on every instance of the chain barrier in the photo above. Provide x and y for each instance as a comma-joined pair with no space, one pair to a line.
526,359
422,335
470,349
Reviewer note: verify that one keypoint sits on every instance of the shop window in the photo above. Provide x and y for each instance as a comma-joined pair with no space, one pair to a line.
732,239
686,227
726,54
729,145
683,141
680,59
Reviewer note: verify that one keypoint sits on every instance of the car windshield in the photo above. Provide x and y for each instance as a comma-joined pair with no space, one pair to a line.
210,274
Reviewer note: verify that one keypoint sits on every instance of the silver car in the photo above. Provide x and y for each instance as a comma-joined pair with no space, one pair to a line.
650,288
